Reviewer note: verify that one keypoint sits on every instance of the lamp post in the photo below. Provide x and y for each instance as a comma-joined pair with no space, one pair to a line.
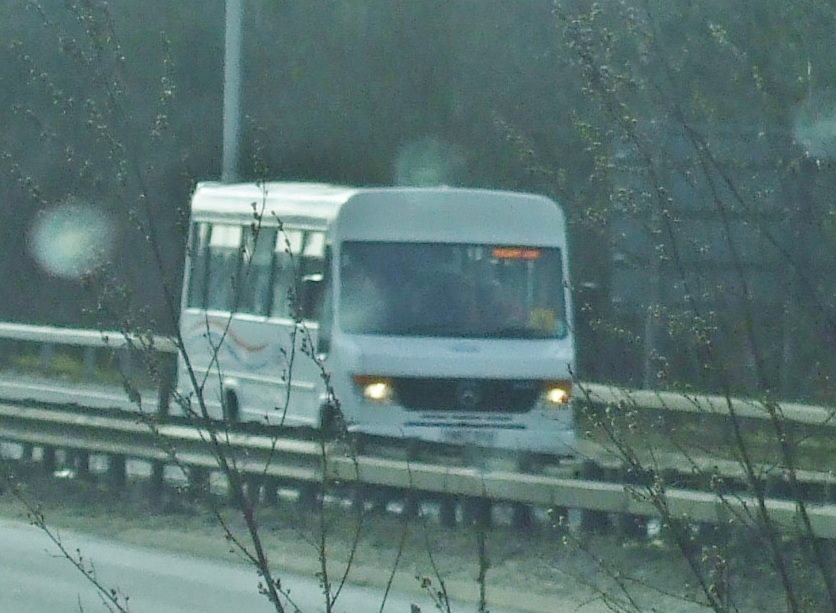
232,90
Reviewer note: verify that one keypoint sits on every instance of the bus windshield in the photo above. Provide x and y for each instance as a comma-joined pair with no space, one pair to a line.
451,290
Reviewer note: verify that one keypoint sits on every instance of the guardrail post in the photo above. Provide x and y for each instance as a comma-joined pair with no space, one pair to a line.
559,518
816,491
117,471
308,492
478,511
82,464
48,459
89,363
252,489
271,491
685,533
447,511
411,504
827,492
166,384
593,521
828,545
125,361
630,525
46,357
522,517
26,452
778,486
357,495
198,481
157,482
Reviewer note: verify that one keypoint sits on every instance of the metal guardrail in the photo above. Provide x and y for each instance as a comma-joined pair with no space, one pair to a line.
84,338
122,436
594,392
303,461
47,337
720,406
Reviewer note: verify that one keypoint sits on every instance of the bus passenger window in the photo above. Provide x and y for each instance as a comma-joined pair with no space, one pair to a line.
258,252
326,315
224,249
288,245
311,266
198,260
297,274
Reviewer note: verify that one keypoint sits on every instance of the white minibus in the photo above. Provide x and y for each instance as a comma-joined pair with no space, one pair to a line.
430,314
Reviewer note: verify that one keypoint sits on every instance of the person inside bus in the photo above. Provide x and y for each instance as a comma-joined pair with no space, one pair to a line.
363,305
504,309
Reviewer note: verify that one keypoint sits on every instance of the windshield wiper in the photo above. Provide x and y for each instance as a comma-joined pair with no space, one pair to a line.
517,331
428,330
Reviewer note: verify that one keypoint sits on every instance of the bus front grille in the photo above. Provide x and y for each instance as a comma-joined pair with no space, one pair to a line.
467,395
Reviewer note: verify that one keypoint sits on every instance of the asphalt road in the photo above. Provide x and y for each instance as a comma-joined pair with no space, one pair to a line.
34,578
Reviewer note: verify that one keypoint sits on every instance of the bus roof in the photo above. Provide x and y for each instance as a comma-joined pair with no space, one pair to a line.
436,214
453,215
301,203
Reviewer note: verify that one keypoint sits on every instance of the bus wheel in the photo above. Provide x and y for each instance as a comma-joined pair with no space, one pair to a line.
231,408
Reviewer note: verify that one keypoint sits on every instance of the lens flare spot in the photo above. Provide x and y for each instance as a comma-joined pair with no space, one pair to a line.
815,125
71,239
429,161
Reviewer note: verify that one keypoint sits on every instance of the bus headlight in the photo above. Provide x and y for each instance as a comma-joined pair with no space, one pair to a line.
374,389
556,393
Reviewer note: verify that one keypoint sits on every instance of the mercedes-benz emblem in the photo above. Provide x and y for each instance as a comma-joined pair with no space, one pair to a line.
469,394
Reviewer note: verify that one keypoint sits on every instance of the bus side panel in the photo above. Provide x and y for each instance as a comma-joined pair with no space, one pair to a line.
259,361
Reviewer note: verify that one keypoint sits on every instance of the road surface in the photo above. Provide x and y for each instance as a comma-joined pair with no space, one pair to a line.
34,578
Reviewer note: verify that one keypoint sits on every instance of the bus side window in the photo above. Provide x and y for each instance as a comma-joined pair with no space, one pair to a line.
311,274
326,316
297,274
198,263
224,251
288,246
258,254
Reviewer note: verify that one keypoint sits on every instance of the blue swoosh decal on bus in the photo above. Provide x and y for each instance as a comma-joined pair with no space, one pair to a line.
254,357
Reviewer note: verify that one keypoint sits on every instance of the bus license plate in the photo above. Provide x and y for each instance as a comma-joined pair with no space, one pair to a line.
463,436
